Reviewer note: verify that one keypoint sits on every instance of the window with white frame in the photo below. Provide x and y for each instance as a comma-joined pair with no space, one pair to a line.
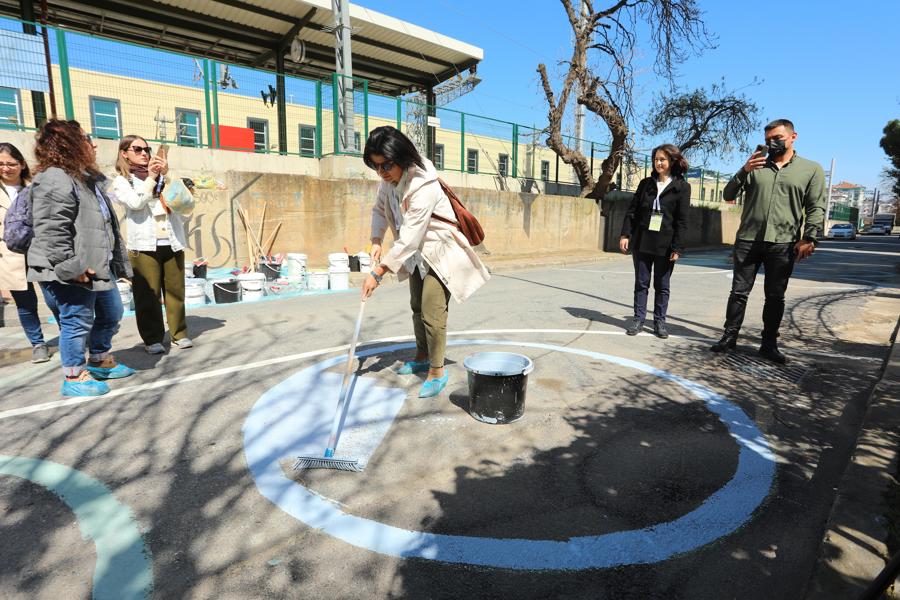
10,109
106,118
503,165
187,127
439,157
545,170
260,129
307,140
472,160
356,140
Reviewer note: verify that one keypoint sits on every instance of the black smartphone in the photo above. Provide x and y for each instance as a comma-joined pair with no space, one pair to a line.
762,149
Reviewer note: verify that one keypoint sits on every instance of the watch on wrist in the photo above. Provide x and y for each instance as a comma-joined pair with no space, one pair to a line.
377,277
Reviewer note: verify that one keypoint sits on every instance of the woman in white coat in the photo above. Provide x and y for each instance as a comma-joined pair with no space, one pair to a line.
14,179
428,248
156,242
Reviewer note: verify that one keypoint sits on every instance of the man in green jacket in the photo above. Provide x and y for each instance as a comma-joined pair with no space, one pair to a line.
784,211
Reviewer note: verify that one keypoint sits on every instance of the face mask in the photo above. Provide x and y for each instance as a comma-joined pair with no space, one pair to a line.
776,147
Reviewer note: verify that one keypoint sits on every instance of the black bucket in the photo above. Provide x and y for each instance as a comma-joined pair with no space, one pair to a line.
272,270
226,291
200,271
497,382
354,264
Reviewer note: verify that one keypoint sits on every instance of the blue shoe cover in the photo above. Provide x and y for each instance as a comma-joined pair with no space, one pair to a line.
433,387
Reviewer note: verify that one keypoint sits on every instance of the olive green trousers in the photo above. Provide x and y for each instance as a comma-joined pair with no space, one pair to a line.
429,300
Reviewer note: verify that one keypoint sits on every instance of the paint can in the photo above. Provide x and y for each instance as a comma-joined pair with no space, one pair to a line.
338,259
296,264
270,268
226,290
497,382
252,285
125,294
339,278
194,291
297,282
317,280
365,261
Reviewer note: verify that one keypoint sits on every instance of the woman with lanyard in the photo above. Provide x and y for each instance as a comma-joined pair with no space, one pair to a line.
654,230
77,255
428,248
156,242
14,179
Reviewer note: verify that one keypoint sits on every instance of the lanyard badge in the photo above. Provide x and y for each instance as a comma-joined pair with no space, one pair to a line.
655,217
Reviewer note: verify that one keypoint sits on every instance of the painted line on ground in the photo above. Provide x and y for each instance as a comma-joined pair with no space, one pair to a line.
271,436
123,570
26,410
855,251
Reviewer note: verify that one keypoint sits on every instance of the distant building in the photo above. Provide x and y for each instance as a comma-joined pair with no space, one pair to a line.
850,194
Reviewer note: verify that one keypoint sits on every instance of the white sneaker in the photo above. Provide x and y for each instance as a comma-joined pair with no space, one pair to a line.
155,349
183,343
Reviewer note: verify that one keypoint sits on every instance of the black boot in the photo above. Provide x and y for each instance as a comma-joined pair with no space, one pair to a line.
770,351
659,329
728,341
635,327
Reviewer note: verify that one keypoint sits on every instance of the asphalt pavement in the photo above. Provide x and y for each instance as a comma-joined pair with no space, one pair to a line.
641,468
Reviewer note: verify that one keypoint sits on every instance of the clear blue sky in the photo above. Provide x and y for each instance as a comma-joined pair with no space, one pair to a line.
828,66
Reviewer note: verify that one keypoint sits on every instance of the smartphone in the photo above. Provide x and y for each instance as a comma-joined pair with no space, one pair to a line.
763,149
162,151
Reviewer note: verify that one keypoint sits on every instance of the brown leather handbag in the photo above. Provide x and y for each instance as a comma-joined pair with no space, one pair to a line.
466,222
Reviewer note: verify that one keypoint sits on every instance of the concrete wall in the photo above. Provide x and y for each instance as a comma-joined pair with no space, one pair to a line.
324,205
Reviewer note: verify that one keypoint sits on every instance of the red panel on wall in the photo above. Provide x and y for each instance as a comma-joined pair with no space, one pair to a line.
235,138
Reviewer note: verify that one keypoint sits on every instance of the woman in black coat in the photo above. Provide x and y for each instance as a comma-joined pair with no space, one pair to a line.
654,229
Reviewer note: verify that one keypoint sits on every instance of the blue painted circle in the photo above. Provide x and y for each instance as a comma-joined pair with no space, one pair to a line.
722,513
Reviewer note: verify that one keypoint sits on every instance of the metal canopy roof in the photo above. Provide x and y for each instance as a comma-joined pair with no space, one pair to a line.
395,56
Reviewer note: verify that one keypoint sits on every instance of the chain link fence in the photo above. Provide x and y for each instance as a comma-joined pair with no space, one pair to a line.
115,89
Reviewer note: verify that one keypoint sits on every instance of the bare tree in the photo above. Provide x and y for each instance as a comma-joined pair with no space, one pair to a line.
705,123
605,79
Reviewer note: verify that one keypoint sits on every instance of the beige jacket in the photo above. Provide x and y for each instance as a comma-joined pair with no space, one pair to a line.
12,265
443,247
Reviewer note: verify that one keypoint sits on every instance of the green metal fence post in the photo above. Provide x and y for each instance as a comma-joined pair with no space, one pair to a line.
365,110
399,113
63,53
209,116
515,150
319,118
215,100
334,109
462,142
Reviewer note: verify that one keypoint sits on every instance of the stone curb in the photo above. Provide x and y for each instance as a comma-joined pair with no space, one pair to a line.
854,547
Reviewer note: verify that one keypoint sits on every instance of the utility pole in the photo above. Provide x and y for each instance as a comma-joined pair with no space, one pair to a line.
828,200
343,59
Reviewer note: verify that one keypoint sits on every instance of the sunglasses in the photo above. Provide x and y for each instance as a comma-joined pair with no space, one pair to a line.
9,165
139,149
383,167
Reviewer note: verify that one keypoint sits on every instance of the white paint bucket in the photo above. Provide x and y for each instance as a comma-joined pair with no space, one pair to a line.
194,291
365,261
252,285
297,282
317,280
339,278
125,294
339,259
296,264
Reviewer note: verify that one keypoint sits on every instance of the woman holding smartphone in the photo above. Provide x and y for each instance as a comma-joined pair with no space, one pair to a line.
156,242
654,230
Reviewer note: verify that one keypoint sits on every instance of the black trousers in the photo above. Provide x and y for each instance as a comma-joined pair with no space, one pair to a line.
778,261
661,268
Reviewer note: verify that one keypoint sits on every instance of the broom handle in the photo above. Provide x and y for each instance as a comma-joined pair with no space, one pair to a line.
345,384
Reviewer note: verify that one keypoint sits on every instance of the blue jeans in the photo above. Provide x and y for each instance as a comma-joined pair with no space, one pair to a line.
27,306
87,320
662,268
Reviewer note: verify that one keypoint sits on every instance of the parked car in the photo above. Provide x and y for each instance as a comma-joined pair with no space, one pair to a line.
842,231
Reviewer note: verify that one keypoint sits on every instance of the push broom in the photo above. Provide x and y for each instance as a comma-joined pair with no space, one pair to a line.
328,461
